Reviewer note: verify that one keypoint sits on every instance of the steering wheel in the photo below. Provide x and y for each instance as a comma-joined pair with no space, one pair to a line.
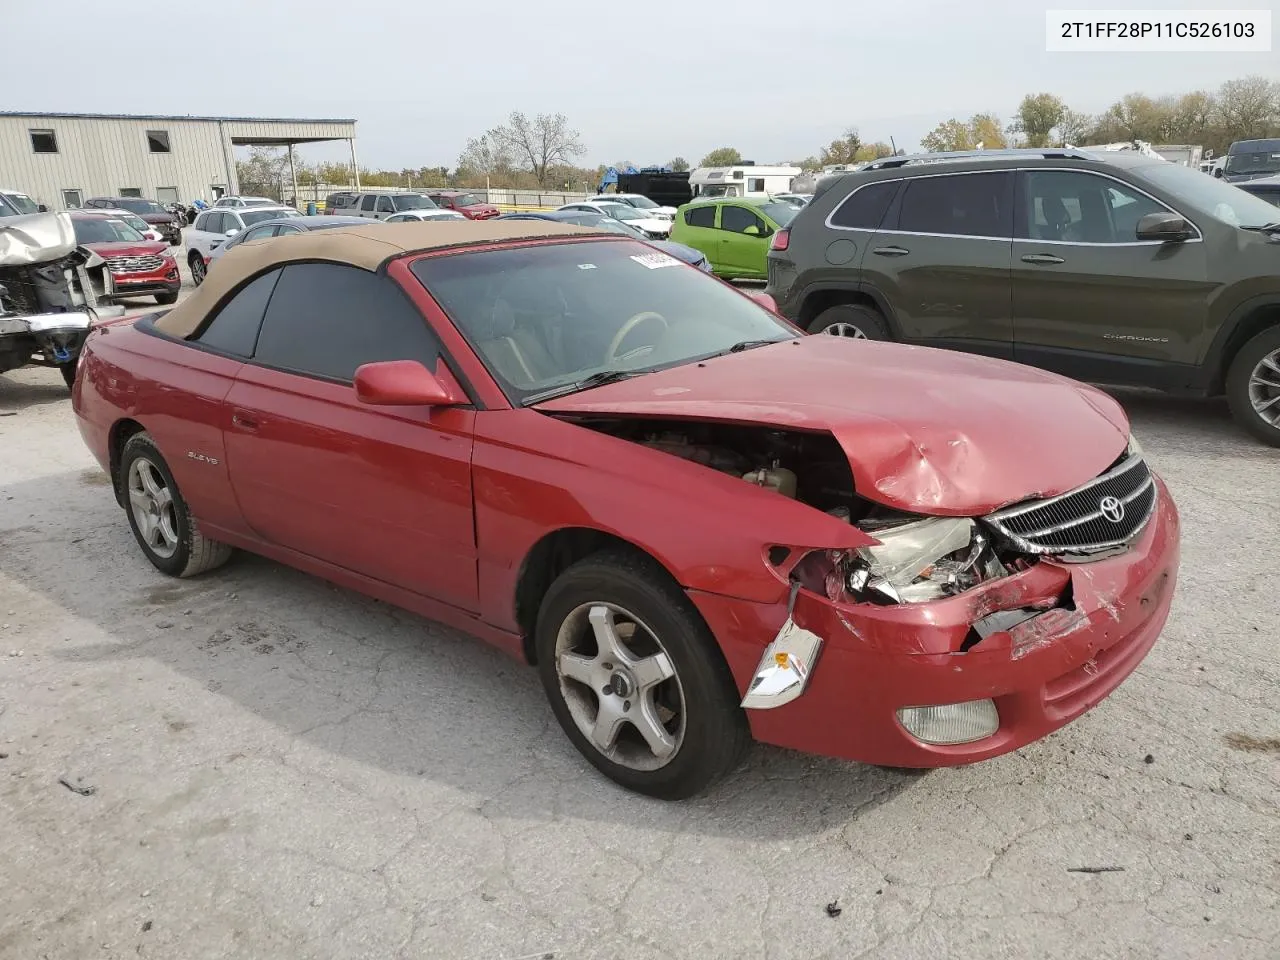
612,353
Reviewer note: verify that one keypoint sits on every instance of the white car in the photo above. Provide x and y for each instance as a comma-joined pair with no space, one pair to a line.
247,202
653,227
795,199
641,203
135,221
411,216
213,227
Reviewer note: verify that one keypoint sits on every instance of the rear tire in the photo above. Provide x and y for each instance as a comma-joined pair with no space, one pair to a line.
676,726
158,515
68,371
851,320
1253,386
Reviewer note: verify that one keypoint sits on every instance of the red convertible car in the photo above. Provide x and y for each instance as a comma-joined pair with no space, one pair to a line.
702,526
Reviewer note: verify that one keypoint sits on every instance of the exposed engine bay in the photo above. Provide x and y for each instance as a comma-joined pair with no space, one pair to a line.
918,558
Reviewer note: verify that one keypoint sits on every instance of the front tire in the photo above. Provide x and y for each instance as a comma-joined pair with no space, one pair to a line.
167,299
851,320
68,371
159,517
1253,386
196,263
636,679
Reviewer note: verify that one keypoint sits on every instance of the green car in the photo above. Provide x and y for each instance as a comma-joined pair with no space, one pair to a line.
733,233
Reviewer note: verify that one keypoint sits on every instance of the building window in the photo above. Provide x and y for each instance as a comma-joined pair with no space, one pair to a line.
130,192
44,141
158,141
71,199
166,195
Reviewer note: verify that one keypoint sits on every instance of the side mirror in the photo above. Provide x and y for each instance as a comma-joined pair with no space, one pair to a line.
766,301
404,383
1165,227
42,208
231,233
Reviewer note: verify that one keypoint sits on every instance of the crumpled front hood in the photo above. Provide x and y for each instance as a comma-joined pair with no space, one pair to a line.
926,431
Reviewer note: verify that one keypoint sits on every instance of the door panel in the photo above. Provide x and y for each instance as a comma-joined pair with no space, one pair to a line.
742,254
1083,284
941,260
380,490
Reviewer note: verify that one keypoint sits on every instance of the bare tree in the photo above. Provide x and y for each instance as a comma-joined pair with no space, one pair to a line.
484,155
543,144
1074,127
1248,108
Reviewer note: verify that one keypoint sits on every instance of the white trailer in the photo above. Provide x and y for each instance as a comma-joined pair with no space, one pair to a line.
742,180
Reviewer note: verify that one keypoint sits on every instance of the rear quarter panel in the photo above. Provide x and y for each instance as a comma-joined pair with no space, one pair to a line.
176,393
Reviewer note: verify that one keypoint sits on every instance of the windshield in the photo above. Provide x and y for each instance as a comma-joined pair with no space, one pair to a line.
137,205
641,203
251,217
1219,199
104,230
21,202
136,222
620,211
1253,162
780,213
551,315
466,200
413,201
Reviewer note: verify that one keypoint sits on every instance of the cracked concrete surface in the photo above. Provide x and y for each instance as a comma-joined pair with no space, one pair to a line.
285,769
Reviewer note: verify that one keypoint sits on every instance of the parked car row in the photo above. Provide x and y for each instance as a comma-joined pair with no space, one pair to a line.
386,204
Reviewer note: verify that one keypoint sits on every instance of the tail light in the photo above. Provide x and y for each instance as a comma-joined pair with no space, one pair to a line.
781,240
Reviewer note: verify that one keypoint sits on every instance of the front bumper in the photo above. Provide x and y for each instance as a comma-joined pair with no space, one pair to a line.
166,279
1041,674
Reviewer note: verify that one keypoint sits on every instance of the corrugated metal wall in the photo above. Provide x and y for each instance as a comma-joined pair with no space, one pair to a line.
102,157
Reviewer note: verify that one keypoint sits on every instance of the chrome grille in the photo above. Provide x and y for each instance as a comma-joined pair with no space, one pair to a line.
134,264
1105,514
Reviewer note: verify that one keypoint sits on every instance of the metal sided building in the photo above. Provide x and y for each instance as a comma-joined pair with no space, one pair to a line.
63,159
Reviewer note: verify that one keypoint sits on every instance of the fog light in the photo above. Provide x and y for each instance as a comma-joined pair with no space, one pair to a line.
951,722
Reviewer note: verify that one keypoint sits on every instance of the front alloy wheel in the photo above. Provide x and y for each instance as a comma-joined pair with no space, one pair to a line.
620,686
635,678
1253,386
1264,388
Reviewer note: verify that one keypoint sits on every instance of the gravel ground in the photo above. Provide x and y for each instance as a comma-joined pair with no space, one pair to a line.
257,764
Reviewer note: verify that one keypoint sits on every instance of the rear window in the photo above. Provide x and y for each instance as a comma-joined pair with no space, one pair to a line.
779,213
864,209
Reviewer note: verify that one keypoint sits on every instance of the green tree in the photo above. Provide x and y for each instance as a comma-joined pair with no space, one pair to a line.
948,137
1248,109
721,157
1038,115
678,164
873,151
843,149
1074,128
986,129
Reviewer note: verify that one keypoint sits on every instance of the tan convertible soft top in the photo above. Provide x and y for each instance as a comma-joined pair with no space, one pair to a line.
367,247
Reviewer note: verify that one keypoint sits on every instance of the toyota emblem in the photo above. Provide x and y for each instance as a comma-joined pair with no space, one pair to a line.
1112,509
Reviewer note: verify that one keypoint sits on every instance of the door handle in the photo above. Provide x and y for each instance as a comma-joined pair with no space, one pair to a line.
891,251
1042,258
244,422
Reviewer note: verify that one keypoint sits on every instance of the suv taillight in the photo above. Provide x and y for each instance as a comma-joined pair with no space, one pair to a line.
781,240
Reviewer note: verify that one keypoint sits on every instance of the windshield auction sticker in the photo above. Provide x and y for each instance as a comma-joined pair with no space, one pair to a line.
655,260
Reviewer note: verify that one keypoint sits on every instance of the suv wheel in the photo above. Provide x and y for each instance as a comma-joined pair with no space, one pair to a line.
851,320
1253,386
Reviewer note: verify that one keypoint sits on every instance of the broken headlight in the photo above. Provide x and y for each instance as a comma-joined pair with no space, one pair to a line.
922,560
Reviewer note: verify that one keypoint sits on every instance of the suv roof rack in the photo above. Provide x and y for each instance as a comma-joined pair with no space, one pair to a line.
1047,153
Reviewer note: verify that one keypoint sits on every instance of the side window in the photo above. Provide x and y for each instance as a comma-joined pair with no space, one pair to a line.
965,205
214,223
701,216
327,319
738,219
1078,207
259,233
367,201
385,205
864,209
756,184
234,328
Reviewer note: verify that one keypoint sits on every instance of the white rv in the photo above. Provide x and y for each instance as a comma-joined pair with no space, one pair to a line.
742,180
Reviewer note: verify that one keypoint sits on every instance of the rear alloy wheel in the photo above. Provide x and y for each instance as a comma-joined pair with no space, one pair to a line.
636,679
198,269
159,517
851,320
1253,386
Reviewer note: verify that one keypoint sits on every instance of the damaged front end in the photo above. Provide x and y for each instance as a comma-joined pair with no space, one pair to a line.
47,298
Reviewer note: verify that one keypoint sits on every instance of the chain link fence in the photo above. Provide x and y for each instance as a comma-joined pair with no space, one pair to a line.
505,198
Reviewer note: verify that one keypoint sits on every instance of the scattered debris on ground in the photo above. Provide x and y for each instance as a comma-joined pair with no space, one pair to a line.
1095,869
834,909
1251,744
76,788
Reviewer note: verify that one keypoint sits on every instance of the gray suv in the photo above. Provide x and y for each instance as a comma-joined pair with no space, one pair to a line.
1110,268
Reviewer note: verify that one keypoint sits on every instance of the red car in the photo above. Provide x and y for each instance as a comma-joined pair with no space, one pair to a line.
135,266
467,204
702,526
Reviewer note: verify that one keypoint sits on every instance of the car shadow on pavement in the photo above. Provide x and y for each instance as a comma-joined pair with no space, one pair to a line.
17,393
1202,425
334,671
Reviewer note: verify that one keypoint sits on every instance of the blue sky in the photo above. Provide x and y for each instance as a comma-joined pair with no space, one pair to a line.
644,82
